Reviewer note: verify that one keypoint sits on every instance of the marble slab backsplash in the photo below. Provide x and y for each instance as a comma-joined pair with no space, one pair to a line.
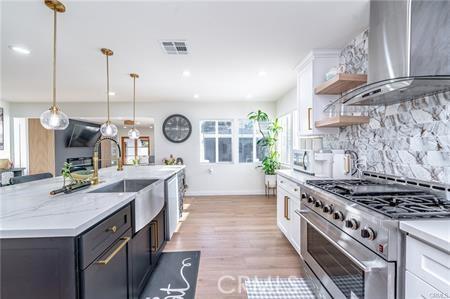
354,56
410,139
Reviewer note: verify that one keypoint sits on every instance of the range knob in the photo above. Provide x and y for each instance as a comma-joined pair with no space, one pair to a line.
310,199
303,196
318,204
328,209
368,233
338,216
352,223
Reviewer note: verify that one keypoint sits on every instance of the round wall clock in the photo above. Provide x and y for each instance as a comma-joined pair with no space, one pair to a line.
177,128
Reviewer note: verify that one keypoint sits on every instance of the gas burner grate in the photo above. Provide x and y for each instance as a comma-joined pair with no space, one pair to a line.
392,200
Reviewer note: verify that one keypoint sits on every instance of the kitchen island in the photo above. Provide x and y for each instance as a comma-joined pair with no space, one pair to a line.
79,245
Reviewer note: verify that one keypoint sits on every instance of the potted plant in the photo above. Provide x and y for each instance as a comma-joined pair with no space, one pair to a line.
270,164
66,173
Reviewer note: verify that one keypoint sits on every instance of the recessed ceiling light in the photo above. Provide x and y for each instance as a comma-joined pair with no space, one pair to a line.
112,93
186,73
20,50
249,96
262,73
124,127
196,96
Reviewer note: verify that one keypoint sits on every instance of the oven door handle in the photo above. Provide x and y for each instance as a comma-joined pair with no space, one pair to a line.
335,244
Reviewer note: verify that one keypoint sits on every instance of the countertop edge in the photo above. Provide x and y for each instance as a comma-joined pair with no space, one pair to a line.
295,177
65,232
71,232
424,235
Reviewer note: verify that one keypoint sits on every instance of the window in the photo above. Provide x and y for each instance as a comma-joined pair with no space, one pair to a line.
295,125
285,138
249,150
135,149
216,141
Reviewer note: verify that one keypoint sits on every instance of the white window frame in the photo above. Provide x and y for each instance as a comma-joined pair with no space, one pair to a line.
216,136
289,141
255,136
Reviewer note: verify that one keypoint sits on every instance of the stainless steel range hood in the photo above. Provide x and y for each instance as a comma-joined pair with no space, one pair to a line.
409,52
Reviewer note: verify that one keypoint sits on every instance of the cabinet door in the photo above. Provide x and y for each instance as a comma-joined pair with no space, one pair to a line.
417,288
141,259
295,224
283,211
107,277
305,100
157,228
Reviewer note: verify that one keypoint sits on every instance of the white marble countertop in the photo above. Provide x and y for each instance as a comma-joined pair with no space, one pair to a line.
297,176
29,211
435,232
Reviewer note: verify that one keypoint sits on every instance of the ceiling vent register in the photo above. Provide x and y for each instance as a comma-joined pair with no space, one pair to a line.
174,47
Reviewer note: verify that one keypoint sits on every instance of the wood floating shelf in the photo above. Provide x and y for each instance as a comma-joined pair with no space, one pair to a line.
341,83
342,121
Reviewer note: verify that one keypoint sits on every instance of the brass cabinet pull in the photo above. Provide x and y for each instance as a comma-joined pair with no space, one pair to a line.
155,234
286,208
346,164
309,118
116,251
112,229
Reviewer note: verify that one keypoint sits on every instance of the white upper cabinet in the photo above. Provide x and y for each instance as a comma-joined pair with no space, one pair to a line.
310,73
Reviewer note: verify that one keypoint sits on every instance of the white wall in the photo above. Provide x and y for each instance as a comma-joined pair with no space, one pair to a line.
6,152
287,103
226,178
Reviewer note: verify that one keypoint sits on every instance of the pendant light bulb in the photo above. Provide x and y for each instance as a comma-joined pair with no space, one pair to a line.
134,133
54,118
108,129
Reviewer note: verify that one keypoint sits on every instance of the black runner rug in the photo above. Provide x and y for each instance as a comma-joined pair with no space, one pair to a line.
175,276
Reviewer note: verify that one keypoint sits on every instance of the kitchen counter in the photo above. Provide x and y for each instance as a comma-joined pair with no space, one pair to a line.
29,211
434,232
297,176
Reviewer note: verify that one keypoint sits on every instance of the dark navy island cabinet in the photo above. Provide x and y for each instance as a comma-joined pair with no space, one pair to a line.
104,262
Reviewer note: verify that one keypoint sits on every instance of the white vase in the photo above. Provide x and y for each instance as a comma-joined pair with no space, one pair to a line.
270,180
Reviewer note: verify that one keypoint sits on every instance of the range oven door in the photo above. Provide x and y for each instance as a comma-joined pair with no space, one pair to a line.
345,267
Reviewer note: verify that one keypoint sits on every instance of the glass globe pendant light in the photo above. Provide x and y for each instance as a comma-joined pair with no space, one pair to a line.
108,129
54,118
134,133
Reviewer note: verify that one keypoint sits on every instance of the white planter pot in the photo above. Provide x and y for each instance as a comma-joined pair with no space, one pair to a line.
270,180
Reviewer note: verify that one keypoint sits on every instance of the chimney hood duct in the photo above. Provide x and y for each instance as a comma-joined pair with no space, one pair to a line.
409,52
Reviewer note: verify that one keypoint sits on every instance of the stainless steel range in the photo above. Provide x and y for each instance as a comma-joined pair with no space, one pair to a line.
350,233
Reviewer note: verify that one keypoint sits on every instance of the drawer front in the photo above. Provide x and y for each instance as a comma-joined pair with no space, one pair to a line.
416,288
93,242
289,186
108,277
428,263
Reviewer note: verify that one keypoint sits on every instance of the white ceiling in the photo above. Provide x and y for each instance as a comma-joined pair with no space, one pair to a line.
141,122
229,43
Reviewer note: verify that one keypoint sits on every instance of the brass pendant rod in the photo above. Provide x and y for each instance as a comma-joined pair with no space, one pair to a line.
54,58
134,101
107,83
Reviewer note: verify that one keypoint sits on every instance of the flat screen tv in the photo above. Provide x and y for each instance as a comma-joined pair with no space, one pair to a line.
83,135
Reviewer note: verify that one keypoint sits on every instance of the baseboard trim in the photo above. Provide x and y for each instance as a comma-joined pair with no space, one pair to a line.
217,193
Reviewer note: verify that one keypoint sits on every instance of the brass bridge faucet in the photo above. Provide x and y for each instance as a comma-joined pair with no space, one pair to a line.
95,159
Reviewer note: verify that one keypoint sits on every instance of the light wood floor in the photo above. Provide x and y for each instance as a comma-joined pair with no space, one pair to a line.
238,237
